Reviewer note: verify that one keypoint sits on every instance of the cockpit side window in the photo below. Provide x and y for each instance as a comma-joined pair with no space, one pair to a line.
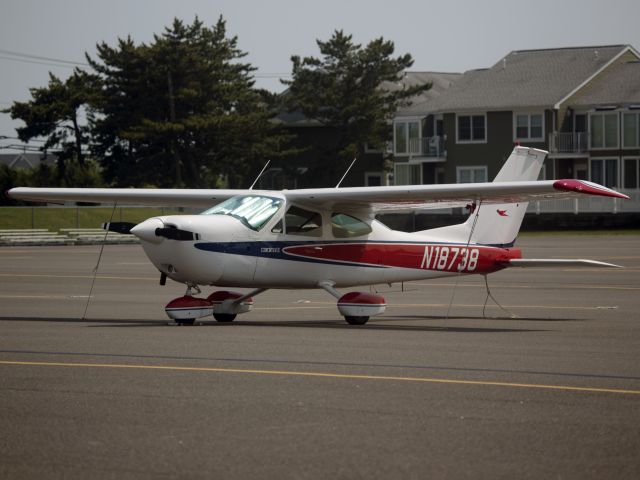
254,211
346,226
299,221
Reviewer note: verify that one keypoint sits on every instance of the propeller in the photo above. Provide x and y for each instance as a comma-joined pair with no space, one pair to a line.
170,232
119,227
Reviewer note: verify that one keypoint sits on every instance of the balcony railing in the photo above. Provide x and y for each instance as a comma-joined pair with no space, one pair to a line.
560,142
425,147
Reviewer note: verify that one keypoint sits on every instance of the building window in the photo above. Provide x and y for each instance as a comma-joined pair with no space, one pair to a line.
529,126
406,136
373,179
631,173
605,171
604,130
631,130
471,174
407,174
471,128
368,148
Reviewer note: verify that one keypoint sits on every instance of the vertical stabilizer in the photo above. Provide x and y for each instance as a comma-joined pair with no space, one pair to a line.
498,224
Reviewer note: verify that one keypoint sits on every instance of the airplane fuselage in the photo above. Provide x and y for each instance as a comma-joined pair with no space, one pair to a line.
227,254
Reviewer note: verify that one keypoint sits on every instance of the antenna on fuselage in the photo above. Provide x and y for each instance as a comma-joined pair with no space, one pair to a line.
260,174
345,173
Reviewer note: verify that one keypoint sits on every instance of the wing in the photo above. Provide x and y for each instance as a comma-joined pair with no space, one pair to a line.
196,198
447,195
395,198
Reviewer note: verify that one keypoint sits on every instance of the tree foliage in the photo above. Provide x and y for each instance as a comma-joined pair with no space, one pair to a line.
180,111
45,175
352,89
56,112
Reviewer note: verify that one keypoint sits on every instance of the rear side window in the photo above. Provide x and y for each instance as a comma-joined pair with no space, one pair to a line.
346,226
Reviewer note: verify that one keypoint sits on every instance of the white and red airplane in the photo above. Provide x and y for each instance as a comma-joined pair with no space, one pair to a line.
328,238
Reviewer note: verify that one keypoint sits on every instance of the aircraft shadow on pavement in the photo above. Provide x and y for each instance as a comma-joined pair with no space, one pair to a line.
376,324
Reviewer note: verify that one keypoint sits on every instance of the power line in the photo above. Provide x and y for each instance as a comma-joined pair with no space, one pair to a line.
57,62
50,64
39,57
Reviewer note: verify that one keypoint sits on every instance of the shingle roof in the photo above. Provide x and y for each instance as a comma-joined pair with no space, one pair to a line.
621,87
526,78
26,160
421,104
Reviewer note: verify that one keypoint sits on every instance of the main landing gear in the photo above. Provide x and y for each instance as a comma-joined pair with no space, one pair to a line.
356,307
223,305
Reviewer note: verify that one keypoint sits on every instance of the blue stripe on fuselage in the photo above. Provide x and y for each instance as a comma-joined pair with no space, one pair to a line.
274,250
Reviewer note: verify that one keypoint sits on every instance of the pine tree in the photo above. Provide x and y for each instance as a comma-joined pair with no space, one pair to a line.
57,112
181,111
347,90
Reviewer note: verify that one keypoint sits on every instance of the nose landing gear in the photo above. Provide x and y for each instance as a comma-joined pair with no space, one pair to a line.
223,305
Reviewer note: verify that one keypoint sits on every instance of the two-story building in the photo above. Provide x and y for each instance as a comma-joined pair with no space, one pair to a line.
582,104
313,167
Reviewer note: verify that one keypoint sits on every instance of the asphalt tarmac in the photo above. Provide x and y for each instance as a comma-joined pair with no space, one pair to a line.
547,388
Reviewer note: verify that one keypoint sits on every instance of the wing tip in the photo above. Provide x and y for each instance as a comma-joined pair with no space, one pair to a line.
589,188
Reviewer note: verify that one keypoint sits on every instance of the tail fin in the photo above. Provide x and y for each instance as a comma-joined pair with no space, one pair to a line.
498,224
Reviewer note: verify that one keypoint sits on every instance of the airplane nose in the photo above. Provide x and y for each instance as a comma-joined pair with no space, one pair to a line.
147,230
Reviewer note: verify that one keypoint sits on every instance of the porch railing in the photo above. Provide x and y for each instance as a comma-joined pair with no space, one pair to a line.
589,204
427,146
560,142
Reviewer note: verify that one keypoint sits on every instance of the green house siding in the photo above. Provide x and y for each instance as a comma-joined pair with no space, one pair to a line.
492,154
498,147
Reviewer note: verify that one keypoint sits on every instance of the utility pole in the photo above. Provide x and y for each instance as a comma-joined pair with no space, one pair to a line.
172,119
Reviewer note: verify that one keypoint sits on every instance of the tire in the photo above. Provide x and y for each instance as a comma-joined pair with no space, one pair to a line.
225,317
356,320
186,321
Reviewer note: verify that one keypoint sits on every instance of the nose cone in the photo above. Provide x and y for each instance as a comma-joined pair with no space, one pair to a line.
146,231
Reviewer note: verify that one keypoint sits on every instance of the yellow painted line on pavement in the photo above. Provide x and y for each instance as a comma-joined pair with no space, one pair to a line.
324,375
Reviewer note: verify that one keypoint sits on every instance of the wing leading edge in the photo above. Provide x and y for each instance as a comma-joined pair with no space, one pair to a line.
184,197
374,198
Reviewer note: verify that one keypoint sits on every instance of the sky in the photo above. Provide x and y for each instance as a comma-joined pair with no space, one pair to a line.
451,36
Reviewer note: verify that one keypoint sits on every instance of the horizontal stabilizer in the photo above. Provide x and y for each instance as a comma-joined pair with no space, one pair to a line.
557,262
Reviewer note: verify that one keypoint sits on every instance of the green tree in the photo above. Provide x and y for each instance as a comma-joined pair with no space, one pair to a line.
181,111
352,90
56,112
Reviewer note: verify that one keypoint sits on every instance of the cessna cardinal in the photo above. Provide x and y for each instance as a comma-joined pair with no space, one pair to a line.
329,238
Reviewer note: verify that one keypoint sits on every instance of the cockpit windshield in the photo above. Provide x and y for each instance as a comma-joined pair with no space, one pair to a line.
254,211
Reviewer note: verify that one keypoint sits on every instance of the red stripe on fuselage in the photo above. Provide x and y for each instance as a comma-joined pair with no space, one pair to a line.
437,257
